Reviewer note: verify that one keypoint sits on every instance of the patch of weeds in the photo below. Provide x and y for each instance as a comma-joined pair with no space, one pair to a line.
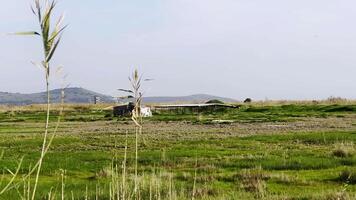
340,108
343,150
337,196
253,180
104,173
348,176
81,108
108,115
202,192
289,180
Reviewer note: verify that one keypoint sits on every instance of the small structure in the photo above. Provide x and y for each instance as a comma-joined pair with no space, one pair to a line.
126,110
97,99
146,112
123,110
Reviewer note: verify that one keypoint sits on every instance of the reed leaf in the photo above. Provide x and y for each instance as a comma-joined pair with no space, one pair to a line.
31,33
52,50
125,90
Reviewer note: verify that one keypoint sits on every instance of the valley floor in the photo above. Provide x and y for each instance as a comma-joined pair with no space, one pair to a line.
306,158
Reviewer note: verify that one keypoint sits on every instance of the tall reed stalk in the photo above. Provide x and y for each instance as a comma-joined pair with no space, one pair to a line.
195,178
123,187
50,39
135,91
137,119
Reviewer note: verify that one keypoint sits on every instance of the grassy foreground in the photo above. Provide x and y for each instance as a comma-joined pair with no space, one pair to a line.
295,151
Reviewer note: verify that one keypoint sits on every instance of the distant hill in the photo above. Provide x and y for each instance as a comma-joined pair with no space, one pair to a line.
197,98
81,95
72,95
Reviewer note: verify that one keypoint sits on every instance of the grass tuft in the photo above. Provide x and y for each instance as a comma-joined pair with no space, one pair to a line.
343,150
348,176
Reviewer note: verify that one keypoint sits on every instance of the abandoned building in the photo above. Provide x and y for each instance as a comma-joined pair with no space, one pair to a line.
126,110
182,108
123,110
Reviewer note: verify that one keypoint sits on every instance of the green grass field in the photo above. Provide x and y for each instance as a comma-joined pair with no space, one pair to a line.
292,151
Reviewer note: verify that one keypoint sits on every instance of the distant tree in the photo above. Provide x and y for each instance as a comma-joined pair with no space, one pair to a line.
248,100
217,101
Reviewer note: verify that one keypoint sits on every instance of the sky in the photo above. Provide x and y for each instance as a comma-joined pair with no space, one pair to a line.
275,49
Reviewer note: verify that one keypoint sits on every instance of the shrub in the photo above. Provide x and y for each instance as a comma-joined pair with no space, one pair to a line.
248,100
348,176
333,99
343,150
340,153
216,101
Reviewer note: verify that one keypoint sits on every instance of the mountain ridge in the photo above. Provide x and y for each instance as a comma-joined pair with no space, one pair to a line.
194,98
82,95
72,95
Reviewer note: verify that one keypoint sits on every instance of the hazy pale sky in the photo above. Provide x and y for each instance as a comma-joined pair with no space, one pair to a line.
275,49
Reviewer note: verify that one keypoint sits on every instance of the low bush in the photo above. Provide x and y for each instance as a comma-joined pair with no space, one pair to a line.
348,176
343,150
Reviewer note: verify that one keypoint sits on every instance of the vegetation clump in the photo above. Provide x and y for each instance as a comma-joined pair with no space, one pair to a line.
248,100
253,180
215,101
333,99
348,176
343,150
